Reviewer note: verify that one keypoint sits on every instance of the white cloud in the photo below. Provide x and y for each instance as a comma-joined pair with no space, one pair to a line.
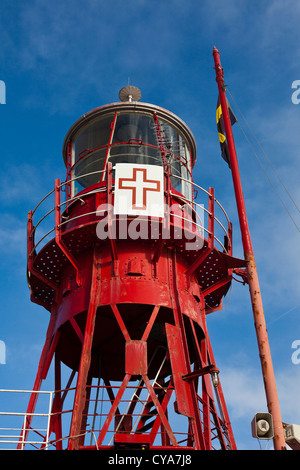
285,13
245,395
19,183
288,385
243,391
12,235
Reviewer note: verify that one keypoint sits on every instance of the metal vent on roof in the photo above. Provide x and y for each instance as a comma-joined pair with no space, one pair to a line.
130,93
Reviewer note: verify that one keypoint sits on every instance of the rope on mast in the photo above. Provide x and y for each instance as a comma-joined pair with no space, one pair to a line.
264,170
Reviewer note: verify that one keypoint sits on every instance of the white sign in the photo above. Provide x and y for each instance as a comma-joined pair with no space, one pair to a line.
139,190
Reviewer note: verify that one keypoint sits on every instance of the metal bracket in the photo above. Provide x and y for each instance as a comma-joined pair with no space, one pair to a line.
242,272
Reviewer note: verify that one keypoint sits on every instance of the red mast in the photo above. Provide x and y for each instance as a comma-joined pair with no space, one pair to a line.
255,294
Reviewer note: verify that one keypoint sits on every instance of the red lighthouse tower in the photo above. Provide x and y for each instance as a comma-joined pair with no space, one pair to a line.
136,258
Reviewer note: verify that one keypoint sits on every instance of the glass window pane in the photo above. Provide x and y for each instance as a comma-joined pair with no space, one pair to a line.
134,140
133,153
95,136
92,163
134,126
178,157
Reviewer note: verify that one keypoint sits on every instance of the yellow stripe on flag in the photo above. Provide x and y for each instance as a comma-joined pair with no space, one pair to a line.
218,113
222,137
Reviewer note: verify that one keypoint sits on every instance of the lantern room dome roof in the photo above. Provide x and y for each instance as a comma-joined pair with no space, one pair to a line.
129,106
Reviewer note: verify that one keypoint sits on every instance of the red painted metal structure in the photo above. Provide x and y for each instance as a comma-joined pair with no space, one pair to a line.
252,277
128,316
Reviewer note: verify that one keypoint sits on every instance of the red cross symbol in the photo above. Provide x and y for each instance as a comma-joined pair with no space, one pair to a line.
139,185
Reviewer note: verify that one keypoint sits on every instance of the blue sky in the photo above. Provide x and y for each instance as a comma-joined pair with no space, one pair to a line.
60,59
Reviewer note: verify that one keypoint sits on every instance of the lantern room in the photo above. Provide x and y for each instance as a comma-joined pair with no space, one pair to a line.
128,132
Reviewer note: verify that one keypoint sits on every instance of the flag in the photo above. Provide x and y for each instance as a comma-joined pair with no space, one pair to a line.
221,130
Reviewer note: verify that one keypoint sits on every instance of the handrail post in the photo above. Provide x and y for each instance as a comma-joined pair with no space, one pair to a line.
49,419
30,240
22,443
30,253
211,218
58,239
111,230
